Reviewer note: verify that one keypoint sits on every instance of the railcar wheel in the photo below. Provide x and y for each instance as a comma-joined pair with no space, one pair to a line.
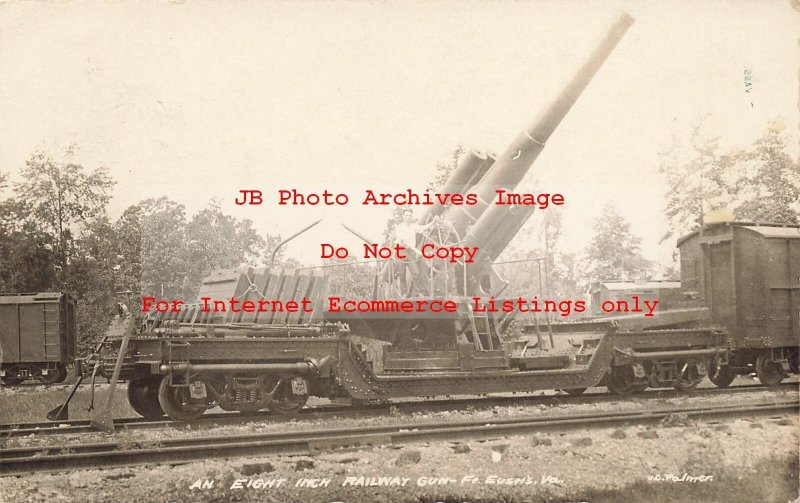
143,397
51,377
62,374
686,384
769,372
176,402
794,362
284,402
620,381
722,376
288,407
617,382
688,378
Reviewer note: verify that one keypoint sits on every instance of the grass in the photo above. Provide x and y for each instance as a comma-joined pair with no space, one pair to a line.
25,405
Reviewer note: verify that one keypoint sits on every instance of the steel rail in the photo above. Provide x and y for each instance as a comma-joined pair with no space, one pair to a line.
376,409
18,461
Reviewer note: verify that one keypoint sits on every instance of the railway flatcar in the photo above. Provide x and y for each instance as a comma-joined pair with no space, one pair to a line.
38,335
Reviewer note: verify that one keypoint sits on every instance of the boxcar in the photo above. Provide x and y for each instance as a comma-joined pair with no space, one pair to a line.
667,293
749,277
37,337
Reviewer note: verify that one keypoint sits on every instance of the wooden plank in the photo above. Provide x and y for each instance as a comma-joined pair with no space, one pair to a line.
273,289
301,290
318,297
286,293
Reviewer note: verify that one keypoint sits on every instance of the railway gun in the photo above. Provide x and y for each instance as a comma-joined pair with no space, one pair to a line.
181,363
184,363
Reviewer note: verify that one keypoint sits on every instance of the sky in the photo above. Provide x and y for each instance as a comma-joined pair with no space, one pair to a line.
198,100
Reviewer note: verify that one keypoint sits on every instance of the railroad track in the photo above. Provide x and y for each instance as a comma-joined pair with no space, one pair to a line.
18,461
339,411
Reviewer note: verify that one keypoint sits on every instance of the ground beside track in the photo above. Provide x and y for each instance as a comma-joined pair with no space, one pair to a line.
749,460
741,460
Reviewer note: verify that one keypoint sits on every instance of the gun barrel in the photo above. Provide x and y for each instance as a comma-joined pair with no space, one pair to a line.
514,163
471,168
491,239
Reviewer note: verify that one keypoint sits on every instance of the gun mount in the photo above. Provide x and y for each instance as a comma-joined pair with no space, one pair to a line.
486,227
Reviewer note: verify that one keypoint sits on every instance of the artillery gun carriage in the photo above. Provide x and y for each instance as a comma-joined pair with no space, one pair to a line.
183,362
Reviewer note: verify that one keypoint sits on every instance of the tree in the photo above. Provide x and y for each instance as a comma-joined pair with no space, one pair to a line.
26,255
768,186
536,252
218,241
97,267
760,183
161,254
164,261
614,252
697,186
350,279
60,197
128,231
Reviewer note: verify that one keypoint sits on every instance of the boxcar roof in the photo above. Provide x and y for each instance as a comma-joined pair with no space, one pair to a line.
775,232
28,298
768,230
628,285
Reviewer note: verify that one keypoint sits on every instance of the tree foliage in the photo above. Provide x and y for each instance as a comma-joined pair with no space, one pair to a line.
767,188
535,264
163,237
26,255
177,254
760,183
58,198
218,241
55,235
614,252
350,279
97,262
